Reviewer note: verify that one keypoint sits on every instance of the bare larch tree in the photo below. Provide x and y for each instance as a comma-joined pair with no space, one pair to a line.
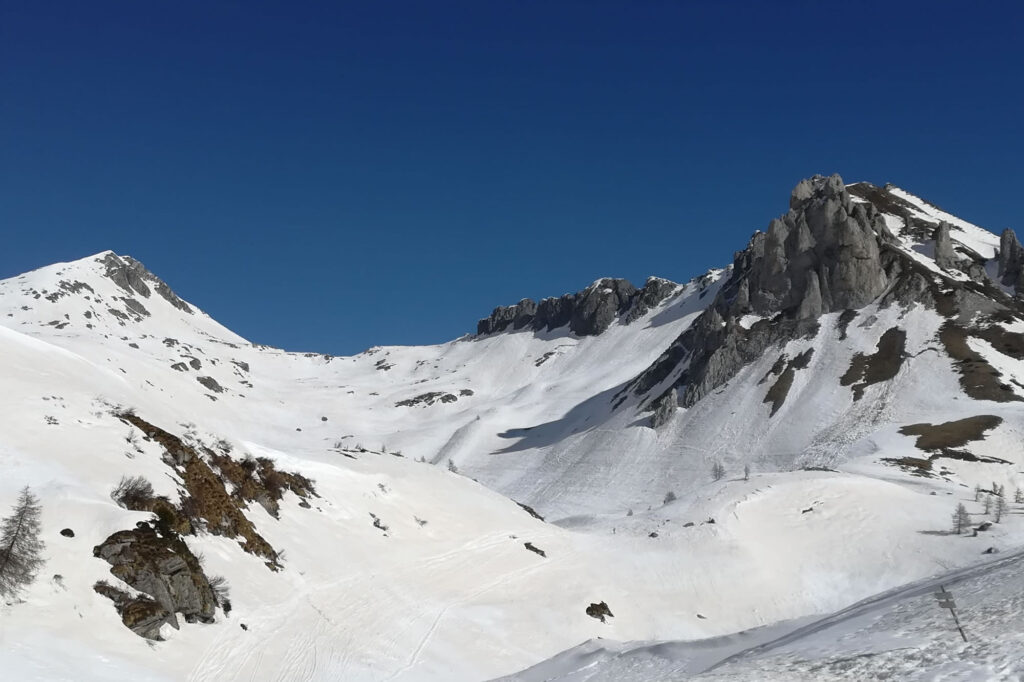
20,547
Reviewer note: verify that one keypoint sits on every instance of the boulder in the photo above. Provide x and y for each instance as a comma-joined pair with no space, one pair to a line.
162,567
599,611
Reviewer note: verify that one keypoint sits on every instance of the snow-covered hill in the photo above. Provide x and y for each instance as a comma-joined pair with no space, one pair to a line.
857,372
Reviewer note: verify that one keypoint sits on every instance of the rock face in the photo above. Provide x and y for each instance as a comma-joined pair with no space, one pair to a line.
826,248
945,257
664,407
132,276
1011,260
826,254
588,312
162,567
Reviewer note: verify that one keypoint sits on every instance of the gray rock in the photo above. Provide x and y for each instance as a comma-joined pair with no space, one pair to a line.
134,306
664,408
945,257
811,305
824,255
515,316
597,306
210,383
587,313
823,234
163,568
427,399
132,276
1011,261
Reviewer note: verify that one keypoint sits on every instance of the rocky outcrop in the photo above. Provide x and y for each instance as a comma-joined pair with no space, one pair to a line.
600,611
508,317
210,383
653,292
826,246
132,276
162,567
945,257
664,407
427,399
1011,261
208,500
587,313
831,254
826,254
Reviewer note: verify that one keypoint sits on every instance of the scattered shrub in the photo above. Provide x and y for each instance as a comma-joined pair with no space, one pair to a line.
221,592
133,492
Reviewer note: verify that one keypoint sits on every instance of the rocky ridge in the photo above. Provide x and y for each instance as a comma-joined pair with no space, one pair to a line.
828,253
587,313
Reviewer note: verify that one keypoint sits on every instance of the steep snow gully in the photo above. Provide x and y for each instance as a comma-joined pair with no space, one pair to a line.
750,475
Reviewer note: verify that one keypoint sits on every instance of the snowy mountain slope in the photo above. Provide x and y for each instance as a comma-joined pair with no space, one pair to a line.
898,368
901,632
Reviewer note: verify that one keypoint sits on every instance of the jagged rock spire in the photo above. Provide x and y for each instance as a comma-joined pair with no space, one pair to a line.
1011,260
824,255
825,248
945,257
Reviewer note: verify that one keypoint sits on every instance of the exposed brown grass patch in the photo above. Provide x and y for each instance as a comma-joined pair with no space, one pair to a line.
1006,342
257,480
882,365
978,378
952,434
780,389
208,499
917,466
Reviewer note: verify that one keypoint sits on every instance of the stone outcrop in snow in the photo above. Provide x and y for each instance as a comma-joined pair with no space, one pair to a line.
825,248
664,407
827,254
588,312
132,276
162,567
823,255
945,258
1011,260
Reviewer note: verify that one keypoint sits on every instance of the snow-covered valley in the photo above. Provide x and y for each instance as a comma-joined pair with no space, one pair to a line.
717,463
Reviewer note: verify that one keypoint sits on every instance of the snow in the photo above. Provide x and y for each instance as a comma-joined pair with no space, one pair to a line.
897,634
748,321
460,597
978,239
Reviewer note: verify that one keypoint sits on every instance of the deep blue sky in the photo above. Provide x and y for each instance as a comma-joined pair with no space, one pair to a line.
333,176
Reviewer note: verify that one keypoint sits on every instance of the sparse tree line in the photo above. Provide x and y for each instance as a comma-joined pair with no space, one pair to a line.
21,549
718,471
993,503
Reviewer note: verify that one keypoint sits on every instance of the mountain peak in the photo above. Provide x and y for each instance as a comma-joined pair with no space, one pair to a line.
132,276
817,186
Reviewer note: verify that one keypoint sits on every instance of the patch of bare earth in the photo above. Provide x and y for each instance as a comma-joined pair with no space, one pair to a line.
978,378
947,440
882,365
206,498
785,371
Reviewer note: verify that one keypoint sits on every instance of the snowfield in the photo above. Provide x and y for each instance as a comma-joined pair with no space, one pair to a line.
412,561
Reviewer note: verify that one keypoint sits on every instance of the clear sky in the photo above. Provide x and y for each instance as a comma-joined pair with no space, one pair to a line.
333,176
